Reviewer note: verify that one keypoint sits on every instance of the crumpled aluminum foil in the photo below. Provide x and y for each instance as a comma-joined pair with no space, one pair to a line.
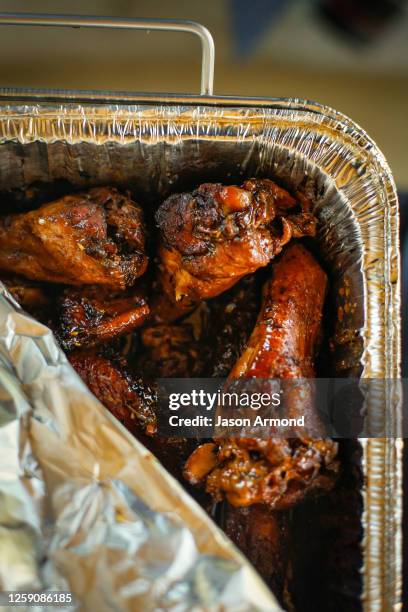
84,504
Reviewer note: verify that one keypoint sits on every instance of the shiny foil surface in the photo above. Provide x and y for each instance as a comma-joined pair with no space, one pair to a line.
85,508
95,512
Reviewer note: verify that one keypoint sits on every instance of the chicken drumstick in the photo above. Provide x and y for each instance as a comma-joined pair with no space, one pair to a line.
214,236
277,471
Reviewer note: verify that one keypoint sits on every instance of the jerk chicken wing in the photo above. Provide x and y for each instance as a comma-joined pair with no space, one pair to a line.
214,236
130,399
91,316
278,471
95,237
167,351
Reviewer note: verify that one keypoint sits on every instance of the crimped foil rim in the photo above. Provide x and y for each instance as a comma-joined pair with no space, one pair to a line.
382,492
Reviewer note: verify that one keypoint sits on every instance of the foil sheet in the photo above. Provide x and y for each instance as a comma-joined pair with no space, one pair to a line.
85,508
155,149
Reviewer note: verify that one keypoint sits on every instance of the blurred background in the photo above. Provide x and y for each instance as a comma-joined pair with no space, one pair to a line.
349,54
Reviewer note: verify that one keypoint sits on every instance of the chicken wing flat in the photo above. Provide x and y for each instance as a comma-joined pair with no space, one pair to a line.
131,400
95,238
89,316
217,234
277,471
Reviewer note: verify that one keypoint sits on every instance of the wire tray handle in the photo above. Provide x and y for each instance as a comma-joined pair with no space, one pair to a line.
120,23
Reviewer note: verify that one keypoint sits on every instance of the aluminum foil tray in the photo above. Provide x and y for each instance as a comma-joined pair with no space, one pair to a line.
84,505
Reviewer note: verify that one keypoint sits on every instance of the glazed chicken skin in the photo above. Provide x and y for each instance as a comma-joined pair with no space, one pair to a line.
217,234
95,237
277,471
91,315
130,399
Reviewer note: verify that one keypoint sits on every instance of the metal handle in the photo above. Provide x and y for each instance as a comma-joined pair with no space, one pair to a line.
120,23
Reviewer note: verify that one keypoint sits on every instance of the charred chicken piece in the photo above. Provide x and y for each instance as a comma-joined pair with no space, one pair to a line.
261,534
277,471
127,397
95,237
133,401
167,351
215,235
92,315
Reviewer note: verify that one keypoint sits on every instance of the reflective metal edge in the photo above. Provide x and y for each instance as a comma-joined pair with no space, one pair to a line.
382,458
